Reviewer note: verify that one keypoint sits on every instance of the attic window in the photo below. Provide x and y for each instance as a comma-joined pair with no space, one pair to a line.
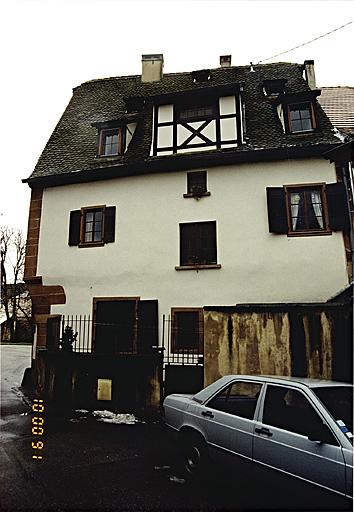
301,117
273,88
112,141
194,113
203,75
134,104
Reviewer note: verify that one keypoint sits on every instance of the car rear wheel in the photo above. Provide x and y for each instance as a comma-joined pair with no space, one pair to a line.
194,456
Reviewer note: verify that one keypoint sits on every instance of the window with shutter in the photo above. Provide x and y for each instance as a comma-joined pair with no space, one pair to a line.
198,244
92,226
306,208
313,209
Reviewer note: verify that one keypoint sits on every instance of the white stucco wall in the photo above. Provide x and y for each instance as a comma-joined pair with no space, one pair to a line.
257,266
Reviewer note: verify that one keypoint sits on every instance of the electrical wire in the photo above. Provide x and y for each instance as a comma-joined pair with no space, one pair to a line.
308,42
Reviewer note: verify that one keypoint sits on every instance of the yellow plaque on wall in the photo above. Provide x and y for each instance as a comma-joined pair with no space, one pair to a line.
104,389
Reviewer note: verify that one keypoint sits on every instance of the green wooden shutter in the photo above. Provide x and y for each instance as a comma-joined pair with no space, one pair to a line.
109,224
277,217
74,227
337,207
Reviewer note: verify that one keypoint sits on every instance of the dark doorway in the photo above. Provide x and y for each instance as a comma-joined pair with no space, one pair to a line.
115,327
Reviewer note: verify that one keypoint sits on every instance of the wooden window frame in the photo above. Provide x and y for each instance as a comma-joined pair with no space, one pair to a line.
180,108
302,187
191,191
189,350
121,132
312,117
84,211
197,265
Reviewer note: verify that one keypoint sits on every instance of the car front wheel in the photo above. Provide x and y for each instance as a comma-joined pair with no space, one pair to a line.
194,456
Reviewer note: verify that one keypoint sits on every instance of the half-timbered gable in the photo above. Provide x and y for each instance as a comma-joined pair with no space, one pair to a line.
198,121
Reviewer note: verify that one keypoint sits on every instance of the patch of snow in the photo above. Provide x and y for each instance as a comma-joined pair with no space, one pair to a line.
161,468
177,480
82,411
111,417
339,135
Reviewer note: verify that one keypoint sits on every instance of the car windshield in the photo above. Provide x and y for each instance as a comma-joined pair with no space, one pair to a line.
339,402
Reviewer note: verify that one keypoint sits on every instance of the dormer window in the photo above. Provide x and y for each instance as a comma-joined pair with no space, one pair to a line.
198,121
297,112
115,136
112,141
202,75
301,117
273,88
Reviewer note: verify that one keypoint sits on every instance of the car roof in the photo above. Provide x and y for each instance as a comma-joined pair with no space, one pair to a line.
205,393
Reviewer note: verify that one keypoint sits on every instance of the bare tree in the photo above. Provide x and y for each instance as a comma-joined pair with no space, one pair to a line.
12,249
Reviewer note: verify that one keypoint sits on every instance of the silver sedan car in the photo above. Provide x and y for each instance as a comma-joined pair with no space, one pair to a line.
296,426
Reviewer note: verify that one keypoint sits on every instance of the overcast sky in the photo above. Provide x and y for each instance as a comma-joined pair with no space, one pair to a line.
51,46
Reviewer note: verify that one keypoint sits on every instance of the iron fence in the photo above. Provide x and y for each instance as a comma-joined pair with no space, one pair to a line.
81,334
182,345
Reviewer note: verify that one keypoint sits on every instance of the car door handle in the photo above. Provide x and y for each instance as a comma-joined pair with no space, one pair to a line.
264,431
208,414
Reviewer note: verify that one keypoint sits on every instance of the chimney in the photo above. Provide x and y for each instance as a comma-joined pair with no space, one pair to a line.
152,66
225,61
309,68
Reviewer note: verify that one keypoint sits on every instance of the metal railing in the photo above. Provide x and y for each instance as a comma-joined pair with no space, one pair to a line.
182,346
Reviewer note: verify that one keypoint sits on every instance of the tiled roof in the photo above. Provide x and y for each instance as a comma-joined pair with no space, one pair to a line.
72,147
338,103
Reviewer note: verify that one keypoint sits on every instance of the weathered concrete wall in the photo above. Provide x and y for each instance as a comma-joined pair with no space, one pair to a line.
290,341
318,347
246,343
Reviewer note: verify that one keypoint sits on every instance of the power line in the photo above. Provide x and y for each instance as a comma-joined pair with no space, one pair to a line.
308,42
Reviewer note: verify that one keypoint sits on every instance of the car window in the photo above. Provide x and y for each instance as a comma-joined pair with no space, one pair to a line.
290,410
338,400
239,399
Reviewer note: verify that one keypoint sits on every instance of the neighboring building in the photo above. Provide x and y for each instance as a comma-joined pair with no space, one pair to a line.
23,322
157,195
338,103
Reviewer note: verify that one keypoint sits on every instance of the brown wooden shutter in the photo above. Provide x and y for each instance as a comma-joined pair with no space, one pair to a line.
337,207
277,217
147,325
109,224
74,227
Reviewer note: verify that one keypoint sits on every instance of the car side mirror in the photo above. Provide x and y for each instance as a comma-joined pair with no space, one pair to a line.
320,433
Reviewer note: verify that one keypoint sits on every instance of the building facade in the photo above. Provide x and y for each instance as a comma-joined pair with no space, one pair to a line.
158,195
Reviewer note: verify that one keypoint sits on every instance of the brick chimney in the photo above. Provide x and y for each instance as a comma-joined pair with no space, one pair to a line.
225,61
309,68
152,67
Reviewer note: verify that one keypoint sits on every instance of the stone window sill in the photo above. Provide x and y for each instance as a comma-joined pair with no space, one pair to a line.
197,267
196,196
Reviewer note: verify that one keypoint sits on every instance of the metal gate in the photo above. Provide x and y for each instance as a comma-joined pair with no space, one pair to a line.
183,362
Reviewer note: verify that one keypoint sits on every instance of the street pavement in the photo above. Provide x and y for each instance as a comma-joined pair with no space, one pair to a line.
92,465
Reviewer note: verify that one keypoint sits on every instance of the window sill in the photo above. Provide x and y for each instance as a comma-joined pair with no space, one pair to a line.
196,196
198,267
324,232
91,244
110,157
